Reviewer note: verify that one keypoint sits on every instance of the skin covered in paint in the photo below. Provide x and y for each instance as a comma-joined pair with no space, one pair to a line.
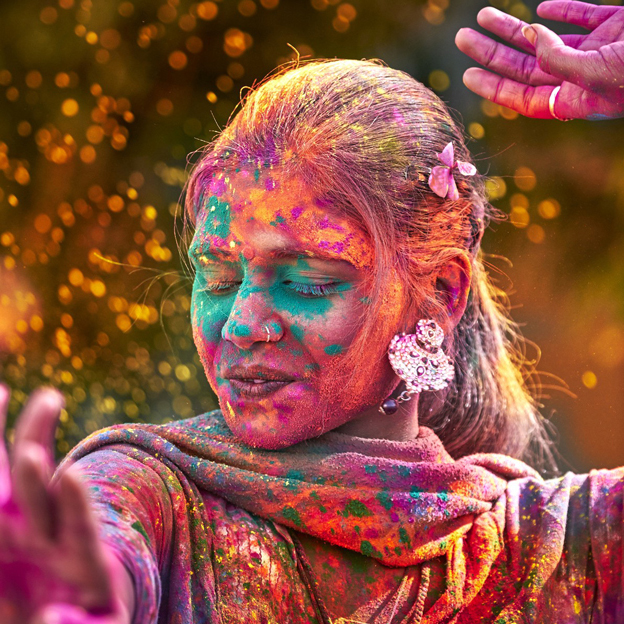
589,68
53,567
270,256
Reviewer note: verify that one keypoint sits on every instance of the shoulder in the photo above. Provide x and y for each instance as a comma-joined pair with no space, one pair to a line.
149,436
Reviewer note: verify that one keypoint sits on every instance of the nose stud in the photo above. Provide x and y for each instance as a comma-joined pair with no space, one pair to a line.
268,331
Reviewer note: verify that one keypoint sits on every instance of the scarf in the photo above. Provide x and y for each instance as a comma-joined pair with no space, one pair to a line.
402,503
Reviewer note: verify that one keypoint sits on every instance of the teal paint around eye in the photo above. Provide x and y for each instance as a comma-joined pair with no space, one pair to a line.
307,307
334,349
312,367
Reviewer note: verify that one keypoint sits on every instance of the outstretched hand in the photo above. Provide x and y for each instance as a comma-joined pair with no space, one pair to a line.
53,567
588,68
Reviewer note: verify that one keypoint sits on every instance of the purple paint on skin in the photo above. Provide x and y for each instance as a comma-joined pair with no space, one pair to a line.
295,213
217,186
322,202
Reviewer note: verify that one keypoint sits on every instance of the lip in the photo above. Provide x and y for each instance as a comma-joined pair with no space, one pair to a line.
252,390
257,381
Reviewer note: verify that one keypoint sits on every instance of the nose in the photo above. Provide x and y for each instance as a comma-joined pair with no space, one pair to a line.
253,318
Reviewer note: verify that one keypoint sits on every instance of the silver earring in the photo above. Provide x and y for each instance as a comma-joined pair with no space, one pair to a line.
418,359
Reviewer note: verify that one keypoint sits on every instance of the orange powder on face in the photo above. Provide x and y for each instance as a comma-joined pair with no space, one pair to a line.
274,202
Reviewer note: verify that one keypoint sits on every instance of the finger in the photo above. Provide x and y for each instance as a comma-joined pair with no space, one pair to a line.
527,100
582,68
504,26
578,13
32,475
69,614
37,422
78,531
501,59
5,475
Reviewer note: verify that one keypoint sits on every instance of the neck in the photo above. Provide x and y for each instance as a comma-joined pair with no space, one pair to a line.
402,425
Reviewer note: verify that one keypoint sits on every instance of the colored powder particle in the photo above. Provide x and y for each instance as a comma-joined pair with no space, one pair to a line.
356,508
289,513
366,548
415,491
404,537
241,330
334,349
384,499
137,526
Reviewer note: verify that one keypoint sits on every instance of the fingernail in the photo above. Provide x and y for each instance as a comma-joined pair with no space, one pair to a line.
530,34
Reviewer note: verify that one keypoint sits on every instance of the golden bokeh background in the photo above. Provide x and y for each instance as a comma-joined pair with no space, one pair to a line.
102,101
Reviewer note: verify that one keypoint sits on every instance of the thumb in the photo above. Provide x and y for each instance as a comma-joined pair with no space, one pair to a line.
554,56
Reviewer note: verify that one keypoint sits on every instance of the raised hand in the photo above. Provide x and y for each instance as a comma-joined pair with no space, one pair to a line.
589,68
53,567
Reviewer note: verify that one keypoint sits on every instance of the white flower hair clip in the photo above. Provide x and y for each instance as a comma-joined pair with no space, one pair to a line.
441,180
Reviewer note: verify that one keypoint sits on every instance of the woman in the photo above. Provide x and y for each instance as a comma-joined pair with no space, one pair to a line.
341,311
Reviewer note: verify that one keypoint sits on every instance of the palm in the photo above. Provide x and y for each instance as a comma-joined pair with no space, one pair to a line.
51,559
589,68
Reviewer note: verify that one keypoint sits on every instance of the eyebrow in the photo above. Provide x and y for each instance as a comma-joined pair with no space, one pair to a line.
276,254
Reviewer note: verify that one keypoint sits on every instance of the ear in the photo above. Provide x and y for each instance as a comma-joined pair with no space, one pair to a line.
452,285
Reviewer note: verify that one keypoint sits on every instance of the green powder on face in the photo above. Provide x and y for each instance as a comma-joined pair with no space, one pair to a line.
297,332
306,307
334,349
219,216
241,330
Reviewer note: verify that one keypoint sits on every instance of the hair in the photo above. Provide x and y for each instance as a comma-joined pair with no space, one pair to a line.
366,138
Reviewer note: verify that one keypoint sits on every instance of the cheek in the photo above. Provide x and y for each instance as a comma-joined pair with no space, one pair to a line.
207,320
349,381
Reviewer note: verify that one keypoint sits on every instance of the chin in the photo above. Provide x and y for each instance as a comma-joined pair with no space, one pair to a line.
270,428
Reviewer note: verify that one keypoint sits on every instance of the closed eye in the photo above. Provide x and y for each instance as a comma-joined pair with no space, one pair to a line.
220,288
313,290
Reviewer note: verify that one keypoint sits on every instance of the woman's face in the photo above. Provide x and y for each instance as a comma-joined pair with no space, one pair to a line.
279,294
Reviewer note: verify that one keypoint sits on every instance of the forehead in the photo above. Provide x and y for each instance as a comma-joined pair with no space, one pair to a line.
267,213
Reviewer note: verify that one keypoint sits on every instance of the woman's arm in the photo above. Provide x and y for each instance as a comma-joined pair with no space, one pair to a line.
53,565
588,69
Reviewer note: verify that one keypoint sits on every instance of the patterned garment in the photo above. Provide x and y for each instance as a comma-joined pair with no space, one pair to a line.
203,524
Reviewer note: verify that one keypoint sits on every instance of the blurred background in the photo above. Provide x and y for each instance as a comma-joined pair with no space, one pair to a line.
101,101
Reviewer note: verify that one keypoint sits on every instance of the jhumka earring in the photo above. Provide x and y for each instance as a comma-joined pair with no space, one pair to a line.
419,361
